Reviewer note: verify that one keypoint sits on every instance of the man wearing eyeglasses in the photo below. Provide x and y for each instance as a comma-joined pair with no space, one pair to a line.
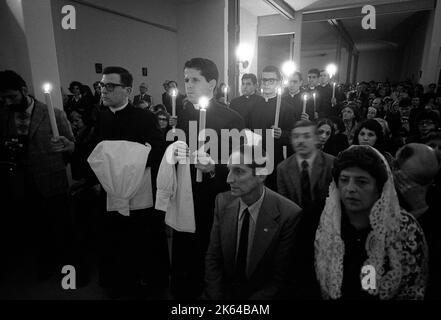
134,254
143,96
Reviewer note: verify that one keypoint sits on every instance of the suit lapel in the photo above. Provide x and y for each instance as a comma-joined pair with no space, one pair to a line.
316,171
266,228
229,233
37,117
294,178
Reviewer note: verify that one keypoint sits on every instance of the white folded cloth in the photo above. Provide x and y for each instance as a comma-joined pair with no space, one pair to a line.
120,166
174,193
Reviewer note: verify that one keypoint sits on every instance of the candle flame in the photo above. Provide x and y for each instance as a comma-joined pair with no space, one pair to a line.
331,69
225,89
313,95
305,97
203,102
279,91
174,92
47,87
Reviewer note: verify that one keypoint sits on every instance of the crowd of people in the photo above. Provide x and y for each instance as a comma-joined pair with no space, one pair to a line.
355,183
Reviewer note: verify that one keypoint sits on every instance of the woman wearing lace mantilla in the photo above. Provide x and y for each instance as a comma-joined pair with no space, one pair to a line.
362,225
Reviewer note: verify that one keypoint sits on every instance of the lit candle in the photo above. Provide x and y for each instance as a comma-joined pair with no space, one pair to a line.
261,91
47,87
305,98
225,94
313,96
333,90
174,93
279,99
203,104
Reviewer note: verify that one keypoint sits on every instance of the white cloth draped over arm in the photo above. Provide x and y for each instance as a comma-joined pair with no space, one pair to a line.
174,193
120,166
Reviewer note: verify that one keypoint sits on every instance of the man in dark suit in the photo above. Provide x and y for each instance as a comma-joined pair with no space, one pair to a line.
143,96
134,257
33,177
246,103
188,249
252,240
304,178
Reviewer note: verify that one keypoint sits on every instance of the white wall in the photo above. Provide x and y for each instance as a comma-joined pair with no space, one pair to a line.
248,35
14,51
102,37
201,33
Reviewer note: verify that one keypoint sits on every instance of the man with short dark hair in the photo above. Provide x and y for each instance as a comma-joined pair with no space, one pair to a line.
245,104
252,239
293,96
188,249
304,178
134,257
33,177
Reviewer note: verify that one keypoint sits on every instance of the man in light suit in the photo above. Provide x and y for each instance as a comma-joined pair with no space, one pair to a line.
33,188
304,178
250,255
143,96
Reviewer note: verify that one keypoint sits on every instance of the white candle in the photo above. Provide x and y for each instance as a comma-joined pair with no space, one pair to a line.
279,99
305,97
333,90
174,93
313,95
50,108
225,94
203,104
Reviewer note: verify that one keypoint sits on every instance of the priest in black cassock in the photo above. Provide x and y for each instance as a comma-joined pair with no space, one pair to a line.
189,249
245,104
312,105
263,117
324,102
134,256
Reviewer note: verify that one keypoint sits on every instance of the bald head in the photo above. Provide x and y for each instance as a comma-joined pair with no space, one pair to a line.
419,161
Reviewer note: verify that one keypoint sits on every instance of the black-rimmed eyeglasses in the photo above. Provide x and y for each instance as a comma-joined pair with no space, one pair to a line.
109,86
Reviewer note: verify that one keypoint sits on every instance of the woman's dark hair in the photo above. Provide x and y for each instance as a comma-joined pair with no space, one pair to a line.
75,84
158,107
375,126
327,121
363,157
339,123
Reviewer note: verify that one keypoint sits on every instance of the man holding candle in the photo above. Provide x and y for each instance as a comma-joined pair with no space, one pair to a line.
294,96
188,249
33,176
133,257
264,116
313,103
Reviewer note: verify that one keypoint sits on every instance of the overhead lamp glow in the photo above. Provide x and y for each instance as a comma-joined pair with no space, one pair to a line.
288,68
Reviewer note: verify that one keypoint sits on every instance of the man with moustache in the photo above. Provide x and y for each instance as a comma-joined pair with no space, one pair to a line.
188,249
33,177
304,178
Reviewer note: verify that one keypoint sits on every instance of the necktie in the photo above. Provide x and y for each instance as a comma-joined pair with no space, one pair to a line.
305,184
23,119
241,261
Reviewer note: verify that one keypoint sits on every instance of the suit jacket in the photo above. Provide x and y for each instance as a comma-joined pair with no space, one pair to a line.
147,98
48,169
288,178
269,267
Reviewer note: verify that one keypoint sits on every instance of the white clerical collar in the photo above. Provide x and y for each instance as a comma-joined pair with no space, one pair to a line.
293,94
270,97
114,110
